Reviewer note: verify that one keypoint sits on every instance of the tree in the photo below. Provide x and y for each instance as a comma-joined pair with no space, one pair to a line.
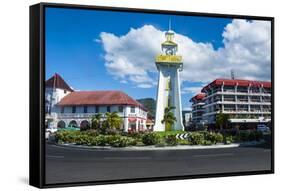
112,120
96,121
169,119
222,120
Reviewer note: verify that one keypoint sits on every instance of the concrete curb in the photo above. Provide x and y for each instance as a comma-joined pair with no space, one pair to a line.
149,148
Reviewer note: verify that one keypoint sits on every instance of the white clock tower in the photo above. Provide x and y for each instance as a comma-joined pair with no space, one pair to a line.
169,64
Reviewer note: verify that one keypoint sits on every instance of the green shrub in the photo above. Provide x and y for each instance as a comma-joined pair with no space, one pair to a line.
109,131
243,136
214,138
171,140
252,136
66,136
258,135
196,138
183,142
228,140
249,136
150,138
121,141
206,142
92,132
100,140
84,139
218,138
136,135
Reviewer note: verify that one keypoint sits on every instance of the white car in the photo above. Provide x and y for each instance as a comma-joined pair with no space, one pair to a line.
263,128
51,129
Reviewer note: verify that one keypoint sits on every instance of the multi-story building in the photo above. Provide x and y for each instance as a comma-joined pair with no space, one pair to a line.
65,107
247,102
197,108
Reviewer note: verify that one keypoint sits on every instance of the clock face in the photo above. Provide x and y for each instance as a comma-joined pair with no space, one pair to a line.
169,51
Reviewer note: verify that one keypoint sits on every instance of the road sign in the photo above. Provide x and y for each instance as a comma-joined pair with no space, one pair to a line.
182,136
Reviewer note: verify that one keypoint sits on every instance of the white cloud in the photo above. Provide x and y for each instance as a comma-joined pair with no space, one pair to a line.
246,50
191,90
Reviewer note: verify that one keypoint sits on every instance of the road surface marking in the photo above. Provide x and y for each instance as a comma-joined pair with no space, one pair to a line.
214,155
133,158
52,156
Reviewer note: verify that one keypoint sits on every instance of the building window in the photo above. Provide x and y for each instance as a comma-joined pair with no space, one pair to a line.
64,91
133,109
108,108
97,109
62,110
120,108
85,109
73,109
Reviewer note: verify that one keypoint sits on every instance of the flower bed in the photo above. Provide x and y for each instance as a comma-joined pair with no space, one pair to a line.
168,138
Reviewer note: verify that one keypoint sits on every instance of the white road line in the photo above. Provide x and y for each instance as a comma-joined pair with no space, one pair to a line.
214,155
132,158
52,156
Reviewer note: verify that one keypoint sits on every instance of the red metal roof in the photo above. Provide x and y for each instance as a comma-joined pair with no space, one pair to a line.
56,81
99,98
230,82
199,96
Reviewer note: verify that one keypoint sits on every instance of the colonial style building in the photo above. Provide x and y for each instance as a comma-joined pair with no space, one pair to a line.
66,107
247,102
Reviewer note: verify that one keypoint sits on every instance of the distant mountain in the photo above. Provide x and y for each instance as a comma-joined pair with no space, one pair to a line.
150,104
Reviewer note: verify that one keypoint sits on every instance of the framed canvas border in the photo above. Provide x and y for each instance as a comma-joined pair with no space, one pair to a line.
37,94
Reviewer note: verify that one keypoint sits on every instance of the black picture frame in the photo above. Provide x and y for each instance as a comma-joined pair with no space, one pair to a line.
37,91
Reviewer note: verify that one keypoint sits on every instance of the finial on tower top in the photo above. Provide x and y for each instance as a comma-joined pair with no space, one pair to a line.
170,24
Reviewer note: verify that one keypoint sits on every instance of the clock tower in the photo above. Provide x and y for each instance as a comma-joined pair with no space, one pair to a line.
169,64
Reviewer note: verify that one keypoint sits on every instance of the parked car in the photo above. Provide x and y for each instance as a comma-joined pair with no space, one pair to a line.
263,128
51,129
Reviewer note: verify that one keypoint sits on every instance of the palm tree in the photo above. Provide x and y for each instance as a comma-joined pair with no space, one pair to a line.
222,120
112,120
96,121
169,119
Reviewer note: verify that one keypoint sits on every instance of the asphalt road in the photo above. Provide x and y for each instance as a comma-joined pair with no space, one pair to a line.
65,165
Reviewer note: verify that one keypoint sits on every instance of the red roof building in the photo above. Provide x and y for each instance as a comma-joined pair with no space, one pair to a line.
56,81
244,100
66,107
242,83
197,107
84,98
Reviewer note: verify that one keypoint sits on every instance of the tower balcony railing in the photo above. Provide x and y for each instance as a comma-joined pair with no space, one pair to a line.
168,59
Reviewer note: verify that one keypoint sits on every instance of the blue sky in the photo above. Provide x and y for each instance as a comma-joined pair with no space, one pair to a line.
75,50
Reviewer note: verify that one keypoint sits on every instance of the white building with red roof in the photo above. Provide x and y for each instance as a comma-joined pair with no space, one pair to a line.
75,108
197,108
246,101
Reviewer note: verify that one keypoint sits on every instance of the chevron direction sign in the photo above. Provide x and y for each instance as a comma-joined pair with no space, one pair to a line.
182,136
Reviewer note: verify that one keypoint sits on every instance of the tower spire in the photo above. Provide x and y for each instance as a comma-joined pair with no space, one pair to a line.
169,24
